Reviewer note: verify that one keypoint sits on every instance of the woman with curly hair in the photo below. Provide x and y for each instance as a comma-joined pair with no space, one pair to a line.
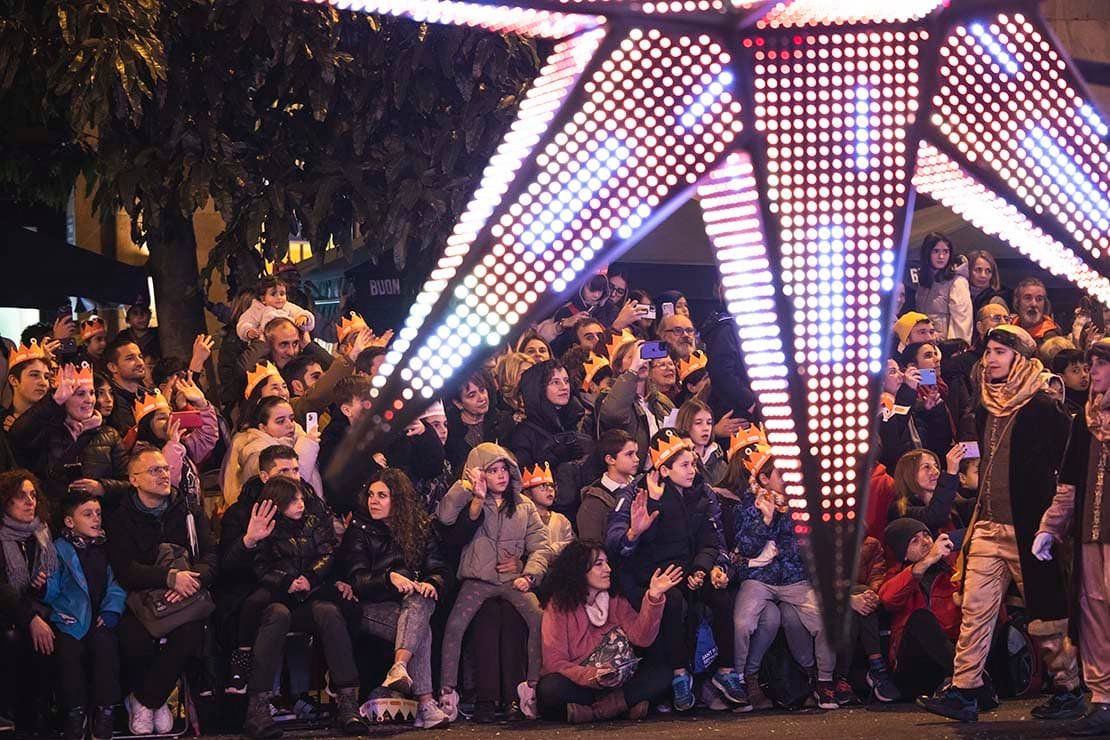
589,669
395,569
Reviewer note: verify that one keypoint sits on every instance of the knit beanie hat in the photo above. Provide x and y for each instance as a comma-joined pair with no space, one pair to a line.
905,324
1015,338
898,534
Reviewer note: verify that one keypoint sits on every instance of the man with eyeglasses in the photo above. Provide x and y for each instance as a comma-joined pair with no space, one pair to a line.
678,332
153,514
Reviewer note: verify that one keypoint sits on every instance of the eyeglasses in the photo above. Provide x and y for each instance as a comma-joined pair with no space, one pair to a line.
617,290
158,470
681,330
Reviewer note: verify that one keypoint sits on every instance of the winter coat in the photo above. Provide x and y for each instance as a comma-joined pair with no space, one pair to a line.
42,443
297,547
752,534
910,426
593,513
499,535
619,409
940,514
247,446
683,534
369,553
548,433
457,448
122,417
67,594
259,314
185,456
948,304
134,537
18,608
730,388
902,595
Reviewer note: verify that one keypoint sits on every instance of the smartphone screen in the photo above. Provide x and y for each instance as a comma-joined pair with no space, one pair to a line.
188,419
928,376
668,309
73,472
653,350
972,449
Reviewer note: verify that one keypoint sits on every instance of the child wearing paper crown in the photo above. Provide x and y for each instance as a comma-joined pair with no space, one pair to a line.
272,305
539,485
86,603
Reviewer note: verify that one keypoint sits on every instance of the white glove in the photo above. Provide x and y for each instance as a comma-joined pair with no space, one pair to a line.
1042,546
769,552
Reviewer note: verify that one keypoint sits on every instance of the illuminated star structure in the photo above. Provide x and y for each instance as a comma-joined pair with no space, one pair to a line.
804,127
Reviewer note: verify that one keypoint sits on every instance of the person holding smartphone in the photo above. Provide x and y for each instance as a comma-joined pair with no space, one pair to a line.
590,671
185,437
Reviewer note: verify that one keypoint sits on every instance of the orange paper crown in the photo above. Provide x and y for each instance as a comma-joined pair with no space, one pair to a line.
92,326
261,371
537,476
616,341
757,458
697,361
667,446
26,352
592,366
150,403
744,439
347,326
85,374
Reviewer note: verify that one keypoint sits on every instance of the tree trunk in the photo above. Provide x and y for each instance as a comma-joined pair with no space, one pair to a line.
173,265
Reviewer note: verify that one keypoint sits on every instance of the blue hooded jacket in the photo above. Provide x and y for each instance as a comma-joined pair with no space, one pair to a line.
67,594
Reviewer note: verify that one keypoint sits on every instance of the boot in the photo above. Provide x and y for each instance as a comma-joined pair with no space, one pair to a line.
259,725
73,727
103,723
347,717
609,706
757,700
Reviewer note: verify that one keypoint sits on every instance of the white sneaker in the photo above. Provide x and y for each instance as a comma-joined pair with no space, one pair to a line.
527,696
449,704
398,679
163,720
140,719
429,715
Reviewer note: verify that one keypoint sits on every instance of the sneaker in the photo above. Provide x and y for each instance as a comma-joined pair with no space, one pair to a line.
683,687
103,723
280,712
398,679
882,685
664,708
140,719
757,700
306,708
240,671
430,716
731,686
825,695
485,713
843,692
163,720
527,695
1063,704
515,713
711,699
449,703
1097,722
952,703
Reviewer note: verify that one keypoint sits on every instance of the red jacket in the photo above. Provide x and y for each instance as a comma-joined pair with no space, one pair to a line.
879,497
902,595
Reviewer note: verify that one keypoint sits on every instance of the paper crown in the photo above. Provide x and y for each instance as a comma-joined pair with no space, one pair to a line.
757,458
347,326
25,353
668,444
537,476
592,365
616,341
686,368
150,403
746,438
261,371
84,374
92,326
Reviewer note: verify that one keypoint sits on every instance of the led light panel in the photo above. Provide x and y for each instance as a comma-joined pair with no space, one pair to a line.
813,13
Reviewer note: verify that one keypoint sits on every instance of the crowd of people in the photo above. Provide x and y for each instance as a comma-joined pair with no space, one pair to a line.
591,526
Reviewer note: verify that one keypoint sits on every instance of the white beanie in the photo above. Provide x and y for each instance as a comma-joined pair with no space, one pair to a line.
436,409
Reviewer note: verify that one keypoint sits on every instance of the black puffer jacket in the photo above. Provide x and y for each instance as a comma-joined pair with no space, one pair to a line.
548,433
42,443
134,536
370,553
297,547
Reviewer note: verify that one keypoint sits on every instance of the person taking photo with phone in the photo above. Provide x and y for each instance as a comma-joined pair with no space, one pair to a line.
630,405
185,437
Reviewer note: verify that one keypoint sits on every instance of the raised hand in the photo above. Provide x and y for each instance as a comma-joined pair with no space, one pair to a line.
67,384
64,327
173,430
202,350
192,393
663,581
261,524
477,480
629,314
952,459
654,484
640,520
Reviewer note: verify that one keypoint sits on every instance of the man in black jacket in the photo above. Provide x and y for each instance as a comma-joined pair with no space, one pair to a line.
152,515
124,360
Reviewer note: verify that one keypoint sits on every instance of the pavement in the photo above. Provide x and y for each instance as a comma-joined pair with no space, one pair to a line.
1011,721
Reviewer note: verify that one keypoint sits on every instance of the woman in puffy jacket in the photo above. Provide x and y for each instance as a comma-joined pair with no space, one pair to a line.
184,449
64,441
273,425
943,293
393,564
504,559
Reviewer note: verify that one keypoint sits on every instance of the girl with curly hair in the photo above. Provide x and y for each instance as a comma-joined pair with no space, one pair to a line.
395,569
589,670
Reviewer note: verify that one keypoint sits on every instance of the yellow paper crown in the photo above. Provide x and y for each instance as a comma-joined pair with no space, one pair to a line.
537,476
92,326
592,365
757,458
348,325
748,438
84,374
697,361
616,341
26,352
150,403
667,446
261,371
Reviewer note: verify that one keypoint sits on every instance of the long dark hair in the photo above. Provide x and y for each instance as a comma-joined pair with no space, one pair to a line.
409,524
11,485
926,277
564,587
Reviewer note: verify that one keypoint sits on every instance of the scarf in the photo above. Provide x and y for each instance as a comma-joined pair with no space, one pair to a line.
80,542
156,511
1007,397
1098,416
598,612
12,533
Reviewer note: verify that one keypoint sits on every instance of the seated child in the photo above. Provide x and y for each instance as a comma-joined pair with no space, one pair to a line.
539,485
272,305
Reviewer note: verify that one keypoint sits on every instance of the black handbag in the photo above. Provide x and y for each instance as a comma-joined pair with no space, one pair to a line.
159,615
